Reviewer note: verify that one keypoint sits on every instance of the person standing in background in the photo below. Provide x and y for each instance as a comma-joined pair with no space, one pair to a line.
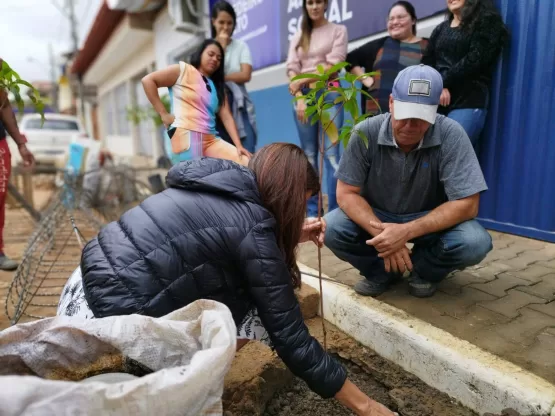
8,122
388,56
464,49
197,95
237,72
319,42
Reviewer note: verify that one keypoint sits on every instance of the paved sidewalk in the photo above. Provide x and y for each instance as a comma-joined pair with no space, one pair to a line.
505,305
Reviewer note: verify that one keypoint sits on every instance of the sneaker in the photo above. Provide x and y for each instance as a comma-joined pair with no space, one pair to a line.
7,264
421,288
365,287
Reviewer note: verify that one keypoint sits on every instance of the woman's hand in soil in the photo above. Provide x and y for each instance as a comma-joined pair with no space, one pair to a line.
167,119
350,396
377,409
301,111
313,230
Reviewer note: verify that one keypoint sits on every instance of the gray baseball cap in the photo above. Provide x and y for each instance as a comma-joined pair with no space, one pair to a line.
416,92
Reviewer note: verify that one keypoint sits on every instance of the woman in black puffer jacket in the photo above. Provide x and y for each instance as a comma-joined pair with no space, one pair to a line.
223,232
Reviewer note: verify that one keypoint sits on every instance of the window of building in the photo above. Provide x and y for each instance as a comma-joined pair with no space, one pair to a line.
121,100
107,113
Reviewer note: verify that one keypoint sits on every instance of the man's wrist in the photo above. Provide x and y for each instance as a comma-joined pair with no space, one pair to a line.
412,230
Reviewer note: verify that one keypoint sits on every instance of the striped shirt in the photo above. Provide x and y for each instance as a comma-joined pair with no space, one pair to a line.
388,57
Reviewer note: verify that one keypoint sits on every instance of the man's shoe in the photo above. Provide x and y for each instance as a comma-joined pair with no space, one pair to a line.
7,264
421,288
365,287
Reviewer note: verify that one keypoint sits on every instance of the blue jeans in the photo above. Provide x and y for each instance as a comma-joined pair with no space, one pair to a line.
249,141
309,136
434,256
472,120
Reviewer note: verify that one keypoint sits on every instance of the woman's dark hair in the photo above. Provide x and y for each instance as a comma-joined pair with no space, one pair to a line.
218,76
474,10
283,169
222,6
306,29
410,10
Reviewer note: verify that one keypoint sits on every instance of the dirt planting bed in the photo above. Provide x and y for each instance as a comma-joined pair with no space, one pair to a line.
380,379
254,388
407,396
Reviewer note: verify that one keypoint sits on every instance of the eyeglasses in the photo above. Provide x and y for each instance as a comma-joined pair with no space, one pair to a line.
208,87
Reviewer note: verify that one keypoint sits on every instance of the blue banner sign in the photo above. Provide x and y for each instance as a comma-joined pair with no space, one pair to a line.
268,25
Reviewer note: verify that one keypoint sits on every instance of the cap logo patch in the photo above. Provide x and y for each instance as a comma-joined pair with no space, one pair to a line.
420,87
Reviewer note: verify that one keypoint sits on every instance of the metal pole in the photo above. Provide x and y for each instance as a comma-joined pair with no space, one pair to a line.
53,80
70,4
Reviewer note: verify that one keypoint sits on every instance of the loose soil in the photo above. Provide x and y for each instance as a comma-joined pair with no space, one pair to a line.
249,386
410,397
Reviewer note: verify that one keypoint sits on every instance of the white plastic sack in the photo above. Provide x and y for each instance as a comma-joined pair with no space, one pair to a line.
189,350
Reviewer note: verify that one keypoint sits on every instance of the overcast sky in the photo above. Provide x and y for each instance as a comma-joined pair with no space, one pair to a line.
28,26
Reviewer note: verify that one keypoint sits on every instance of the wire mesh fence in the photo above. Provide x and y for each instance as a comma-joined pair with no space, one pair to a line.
77,211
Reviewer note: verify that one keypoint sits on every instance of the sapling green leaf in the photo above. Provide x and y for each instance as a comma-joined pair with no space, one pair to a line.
10,81
309,76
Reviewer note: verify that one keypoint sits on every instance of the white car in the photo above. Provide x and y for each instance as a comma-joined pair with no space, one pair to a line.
48,143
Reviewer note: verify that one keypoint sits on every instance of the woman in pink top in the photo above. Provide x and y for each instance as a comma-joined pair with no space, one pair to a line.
319,42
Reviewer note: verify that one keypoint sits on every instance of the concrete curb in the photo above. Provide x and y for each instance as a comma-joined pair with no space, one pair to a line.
476,378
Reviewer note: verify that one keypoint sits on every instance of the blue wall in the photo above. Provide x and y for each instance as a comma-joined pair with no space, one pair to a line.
274,116
518,151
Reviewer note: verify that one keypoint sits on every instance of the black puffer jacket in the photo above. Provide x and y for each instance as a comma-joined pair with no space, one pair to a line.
207,236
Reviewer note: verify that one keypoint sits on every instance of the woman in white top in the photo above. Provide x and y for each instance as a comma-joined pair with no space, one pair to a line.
237,70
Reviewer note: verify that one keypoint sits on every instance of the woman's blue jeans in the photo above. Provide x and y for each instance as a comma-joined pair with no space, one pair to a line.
249,141
310,138
472,120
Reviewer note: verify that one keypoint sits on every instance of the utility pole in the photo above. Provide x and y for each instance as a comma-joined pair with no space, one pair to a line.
53,80
73,25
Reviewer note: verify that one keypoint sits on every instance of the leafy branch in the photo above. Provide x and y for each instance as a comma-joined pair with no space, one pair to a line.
138,114
318,111
317,107
11,82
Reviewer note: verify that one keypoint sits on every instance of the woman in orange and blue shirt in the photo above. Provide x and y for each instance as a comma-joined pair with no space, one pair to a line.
196,95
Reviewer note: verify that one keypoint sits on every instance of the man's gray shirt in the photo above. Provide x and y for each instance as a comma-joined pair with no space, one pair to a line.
443,168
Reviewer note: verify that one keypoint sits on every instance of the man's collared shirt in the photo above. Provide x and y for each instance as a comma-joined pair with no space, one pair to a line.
444,167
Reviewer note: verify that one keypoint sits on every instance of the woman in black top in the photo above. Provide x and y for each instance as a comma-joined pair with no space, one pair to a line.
464,49
388,56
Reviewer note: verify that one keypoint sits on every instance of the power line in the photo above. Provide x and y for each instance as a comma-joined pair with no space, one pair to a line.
87,8
60,9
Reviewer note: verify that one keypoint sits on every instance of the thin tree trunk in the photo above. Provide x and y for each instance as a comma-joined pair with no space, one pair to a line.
321,173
